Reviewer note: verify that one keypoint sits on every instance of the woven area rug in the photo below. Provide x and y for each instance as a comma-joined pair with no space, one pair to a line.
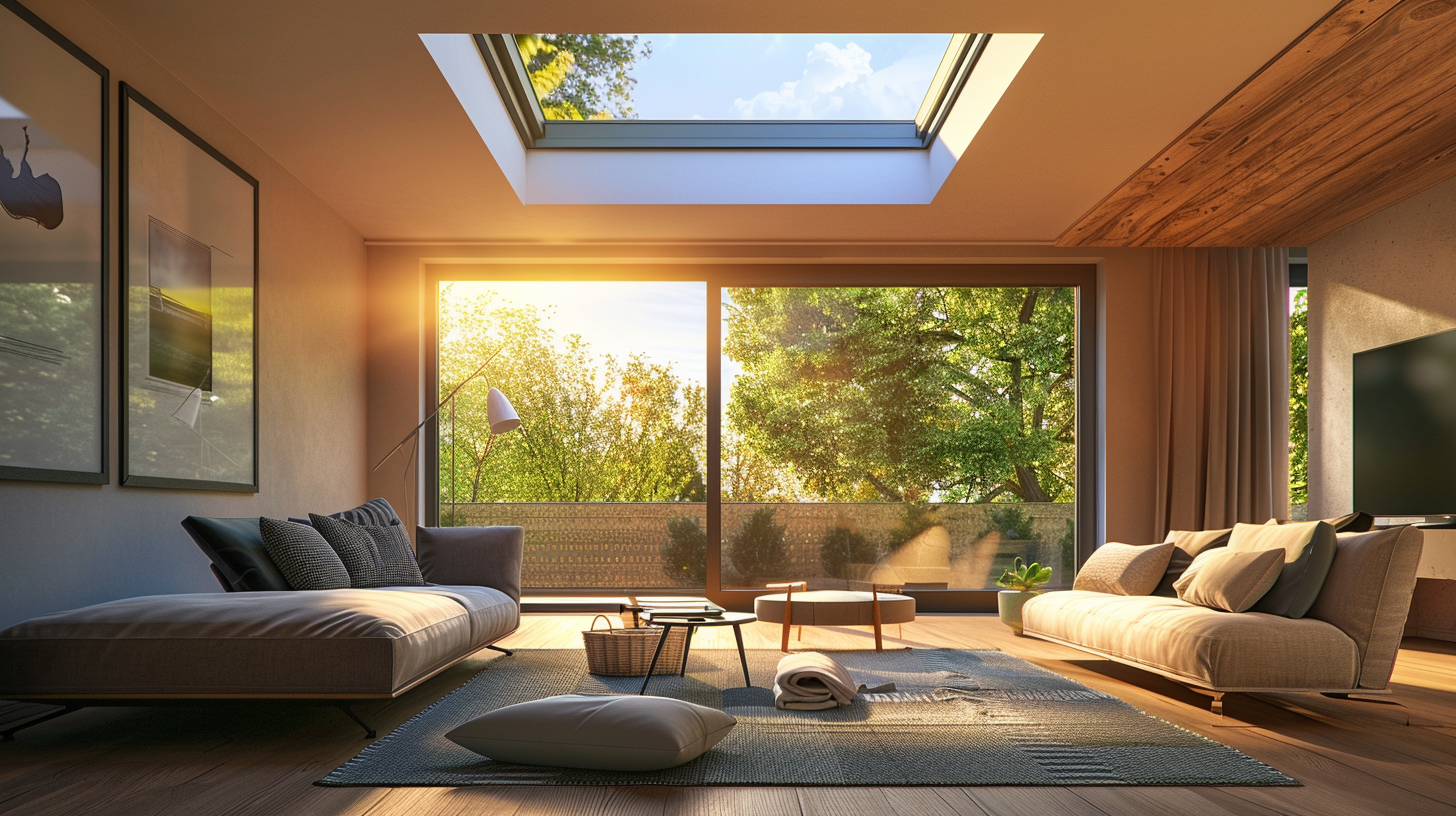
957,717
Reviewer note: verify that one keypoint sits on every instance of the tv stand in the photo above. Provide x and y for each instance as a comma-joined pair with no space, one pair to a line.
1448,524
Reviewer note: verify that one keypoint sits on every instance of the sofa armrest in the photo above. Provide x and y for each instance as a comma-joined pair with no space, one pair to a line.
472,556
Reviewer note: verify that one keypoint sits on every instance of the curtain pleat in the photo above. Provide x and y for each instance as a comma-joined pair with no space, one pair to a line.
1223,387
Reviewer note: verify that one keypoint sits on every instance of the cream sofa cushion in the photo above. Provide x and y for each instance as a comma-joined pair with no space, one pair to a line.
1309,549
1234,652
1123,569
1229,580
596,732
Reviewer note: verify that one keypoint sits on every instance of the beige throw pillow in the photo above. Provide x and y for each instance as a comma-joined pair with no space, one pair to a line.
1188,545
1309,549
1123,569
600,733
1229,579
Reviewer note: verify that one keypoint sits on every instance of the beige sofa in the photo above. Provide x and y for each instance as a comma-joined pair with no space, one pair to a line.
1345,645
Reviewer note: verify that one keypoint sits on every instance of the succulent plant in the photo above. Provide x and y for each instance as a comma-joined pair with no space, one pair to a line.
1024,577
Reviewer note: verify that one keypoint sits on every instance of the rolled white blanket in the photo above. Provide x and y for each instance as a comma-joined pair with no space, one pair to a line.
811,682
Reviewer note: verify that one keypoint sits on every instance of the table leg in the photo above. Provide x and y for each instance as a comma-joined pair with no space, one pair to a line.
687,646
742,658
662,641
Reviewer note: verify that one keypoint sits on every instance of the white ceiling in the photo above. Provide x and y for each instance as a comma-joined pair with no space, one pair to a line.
344,95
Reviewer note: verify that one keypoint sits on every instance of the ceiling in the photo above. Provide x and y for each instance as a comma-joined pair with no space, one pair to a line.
345,96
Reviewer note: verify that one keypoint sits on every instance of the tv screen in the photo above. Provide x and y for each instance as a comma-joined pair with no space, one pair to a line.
1405,427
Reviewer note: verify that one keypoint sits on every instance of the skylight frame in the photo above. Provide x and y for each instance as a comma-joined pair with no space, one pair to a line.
503,61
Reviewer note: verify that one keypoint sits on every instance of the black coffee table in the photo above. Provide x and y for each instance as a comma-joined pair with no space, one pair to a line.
667,622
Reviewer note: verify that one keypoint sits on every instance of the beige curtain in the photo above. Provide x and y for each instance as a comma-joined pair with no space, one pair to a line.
1223,387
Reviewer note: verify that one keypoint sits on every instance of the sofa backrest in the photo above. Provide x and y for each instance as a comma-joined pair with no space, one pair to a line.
1367,594
235,546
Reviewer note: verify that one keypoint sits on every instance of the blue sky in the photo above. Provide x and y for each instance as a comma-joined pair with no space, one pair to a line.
786,76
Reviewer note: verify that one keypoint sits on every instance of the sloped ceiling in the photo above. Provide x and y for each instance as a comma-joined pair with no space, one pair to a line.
345,96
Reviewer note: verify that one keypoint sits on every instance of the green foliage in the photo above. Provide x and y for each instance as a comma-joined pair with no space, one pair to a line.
1299,399
685,555
583,76
914,520
842,547
759,550
1067,550
1024,577
593,428
1014,526
908,394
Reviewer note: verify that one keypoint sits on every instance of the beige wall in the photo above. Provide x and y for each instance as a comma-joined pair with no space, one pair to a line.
63,546
1388,278
1125,300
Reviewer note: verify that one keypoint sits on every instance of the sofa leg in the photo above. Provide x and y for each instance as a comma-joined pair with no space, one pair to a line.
349,712
8,735
1361,698
502,650
1217,705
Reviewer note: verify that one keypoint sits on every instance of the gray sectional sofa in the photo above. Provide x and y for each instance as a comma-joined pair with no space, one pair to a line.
338,644
1345,645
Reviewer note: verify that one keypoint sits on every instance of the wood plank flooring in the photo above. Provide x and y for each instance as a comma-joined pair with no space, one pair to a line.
1354,758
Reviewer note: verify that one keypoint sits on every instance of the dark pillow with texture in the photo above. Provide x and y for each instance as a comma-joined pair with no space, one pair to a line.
396,556
303,556
356,548
1309,549
235,546
374,511
1187,545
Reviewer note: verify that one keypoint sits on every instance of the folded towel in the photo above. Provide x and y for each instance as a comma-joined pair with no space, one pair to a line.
812,682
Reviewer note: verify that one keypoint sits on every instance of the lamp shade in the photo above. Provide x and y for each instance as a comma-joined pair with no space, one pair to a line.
502,416
186,413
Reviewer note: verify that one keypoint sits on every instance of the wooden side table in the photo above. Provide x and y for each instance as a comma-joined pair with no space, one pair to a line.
667,622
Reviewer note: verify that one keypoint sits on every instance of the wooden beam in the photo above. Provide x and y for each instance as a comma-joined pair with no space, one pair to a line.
1355,115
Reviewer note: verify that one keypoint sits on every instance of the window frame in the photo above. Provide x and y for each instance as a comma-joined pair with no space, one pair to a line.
1081,277
508,72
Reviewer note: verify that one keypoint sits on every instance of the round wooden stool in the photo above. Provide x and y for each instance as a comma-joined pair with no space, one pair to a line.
834,607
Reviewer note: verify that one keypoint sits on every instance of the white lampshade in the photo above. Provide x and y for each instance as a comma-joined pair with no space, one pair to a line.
502,416
187,412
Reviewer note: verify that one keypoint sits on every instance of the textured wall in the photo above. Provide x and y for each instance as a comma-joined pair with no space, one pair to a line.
1389,278
63,546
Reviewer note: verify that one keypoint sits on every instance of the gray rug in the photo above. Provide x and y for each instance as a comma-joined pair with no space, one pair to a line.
957,717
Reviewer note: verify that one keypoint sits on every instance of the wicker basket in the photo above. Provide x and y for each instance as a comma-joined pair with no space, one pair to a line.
628,652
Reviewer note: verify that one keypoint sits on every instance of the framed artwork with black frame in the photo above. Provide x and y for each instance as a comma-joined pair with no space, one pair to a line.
54,103
189,248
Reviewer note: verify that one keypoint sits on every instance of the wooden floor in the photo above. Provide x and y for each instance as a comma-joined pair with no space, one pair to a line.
1353,758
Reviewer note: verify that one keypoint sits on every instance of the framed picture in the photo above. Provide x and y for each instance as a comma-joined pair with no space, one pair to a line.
189,248
53,261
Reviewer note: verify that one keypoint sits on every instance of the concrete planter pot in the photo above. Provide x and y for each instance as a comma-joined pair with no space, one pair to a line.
1009,603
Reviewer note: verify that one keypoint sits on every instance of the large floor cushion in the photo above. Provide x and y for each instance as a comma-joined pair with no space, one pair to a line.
325,643
1244,651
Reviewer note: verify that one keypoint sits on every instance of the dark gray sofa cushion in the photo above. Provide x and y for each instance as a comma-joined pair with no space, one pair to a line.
235,546
473,556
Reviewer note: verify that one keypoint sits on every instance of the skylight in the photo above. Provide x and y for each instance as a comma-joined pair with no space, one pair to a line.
729,90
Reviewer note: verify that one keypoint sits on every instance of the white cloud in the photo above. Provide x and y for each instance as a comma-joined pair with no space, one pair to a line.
840,83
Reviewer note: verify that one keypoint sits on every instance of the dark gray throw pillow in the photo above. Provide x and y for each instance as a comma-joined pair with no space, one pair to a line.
306,560
356,548
396,556
1309,549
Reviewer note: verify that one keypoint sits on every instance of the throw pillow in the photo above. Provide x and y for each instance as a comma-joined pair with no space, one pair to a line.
600,733
1230,580
1309,549
1187,545
356,548
1122,569
374,511
396,557
302,555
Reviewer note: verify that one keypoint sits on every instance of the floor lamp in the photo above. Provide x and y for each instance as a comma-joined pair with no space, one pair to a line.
500,414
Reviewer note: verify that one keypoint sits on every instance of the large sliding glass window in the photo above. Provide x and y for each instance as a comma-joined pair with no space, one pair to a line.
865,431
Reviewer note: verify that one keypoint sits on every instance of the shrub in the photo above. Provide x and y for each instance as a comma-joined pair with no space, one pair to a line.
685,555
843,547
759,550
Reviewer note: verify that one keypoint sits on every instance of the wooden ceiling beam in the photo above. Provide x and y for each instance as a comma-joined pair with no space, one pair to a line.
1355,115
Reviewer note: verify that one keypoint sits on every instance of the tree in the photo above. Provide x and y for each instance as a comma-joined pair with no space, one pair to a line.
1299,399
759,550
1014,526
842,547
685,555
582,76
593,428
909,394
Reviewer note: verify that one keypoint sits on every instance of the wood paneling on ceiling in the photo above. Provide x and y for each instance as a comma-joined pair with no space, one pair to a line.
1357,114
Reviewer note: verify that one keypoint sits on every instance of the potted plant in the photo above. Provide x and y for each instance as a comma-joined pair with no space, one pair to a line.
1021,584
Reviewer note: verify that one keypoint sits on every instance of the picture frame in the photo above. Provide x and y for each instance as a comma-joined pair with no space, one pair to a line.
54,262
189,250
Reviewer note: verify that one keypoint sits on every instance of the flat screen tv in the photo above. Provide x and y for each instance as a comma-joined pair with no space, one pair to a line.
1405,428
